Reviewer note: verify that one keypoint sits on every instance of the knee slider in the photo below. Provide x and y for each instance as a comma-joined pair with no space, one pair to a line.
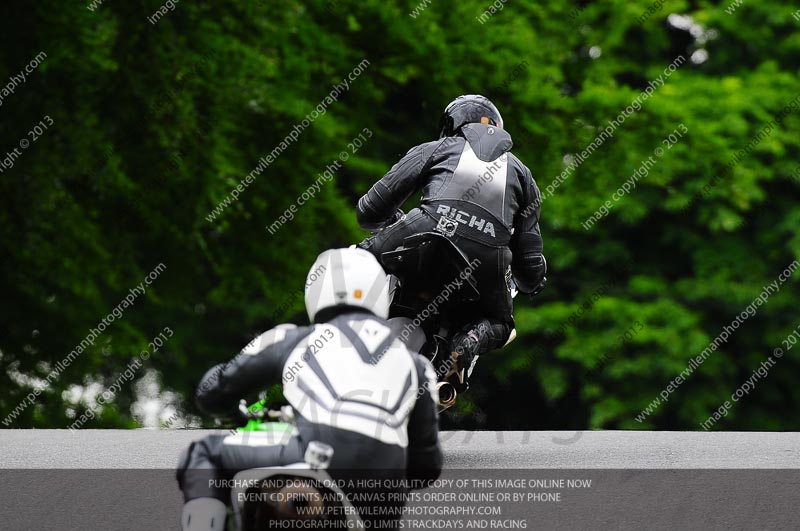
204,514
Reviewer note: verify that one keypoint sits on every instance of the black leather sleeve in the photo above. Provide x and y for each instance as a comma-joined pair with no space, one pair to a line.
528,264
425,457
254,369
380,203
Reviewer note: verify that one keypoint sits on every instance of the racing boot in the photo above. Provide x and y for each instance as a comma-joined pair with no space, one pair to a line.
466,348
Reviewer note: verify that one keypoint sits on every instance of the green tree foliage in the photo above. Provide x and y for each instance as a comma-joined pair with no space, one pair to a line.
155,124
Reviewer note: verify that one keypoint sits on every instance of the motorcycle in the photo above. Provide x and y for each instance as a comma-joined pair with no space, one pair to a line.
304,491
298,492
427,308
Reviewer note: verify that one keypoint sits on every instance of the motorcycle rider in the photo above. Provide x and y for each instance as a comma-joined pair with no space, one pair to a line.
352,382
479,194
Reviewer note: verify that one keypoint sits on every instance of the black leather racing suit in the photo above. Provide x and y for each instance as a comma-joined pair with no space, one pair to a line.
352,384
474,179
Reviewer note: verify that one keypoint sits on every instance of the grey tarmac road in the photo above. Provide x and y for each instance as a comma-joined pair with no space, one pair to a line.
114,479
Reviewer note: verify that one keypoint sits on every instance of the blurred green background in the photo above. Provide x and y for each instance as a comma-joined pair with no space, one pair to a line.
154,124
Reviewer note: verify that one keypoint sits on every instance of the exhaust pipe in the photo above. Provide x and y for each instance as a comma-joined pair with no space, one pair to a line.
447,394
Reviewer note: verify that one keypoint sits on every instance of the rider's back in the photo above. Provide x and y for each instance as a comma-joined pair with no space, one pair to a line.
477,173
352,384
352,374
471,178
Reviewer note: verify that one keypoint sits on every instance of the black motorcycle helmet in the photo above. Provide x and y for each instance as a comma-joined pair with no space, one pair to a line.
468,109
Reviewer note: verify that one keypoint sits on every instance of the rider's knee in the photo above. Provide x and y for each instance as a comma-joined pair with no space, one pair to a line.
499,332
183,464
197,470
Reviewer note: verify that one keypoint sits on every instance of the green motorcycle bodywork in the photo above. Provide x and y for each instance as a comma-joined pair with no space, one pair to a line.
265,425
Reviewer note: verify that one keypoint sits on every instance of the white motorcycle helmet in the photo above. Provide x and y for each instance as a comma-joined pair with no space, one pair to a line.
347,277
